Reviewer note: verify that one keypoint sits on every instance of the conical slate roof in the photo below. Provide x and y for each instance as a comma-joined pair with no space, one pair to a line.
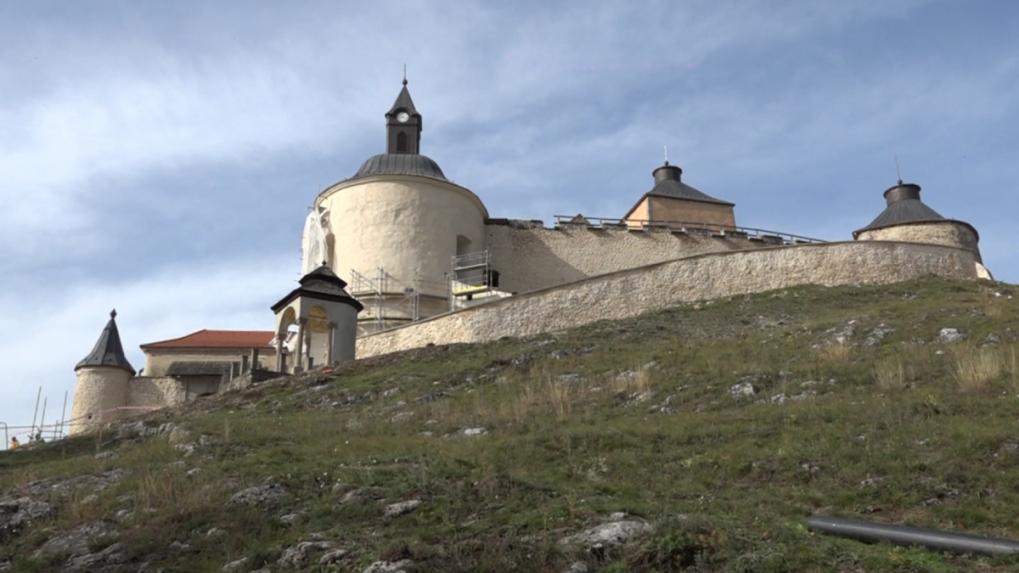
108,350
403,101
904,207
668,184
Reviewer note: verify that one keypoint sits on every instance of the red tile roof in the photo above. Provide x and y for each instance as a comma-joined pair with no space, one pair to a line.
218,339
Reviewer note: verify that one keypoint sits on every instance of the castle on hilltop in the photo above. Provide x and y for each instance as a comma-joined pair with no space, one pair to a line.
398,256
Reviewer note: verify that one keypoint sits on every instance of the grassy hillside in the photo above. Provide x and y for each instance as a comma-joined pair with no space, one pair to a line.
853,406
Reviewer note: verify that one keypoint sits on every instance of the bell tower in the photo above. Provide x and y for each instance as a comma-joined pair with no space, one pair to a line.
403,125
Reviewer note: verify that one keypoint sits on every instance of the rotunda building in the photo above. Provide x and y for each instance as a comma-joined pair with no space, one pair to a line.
392,230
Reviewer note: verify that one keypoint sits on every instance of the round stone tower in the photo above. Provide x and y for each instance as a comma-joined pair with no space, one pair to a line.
393,228
906,218
103,378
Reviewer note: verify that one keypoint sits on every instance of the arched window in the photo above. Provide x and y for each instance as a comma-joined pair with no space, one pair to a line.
401,142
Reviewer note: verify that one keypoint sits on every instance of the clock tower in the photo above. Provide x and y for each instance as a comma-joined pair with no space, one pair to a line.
403,125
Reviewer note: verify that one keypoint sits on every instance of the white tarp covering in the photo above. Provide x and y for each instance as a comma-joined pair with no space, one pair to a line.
313,243
290,343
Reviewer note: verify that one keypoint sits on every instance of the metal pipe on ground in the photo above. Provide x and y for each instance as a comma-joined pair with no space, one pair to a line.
868,532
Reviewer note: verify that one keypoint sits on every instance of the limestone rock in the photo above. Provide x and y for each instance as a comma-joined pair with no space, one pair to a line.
18,514
878,334
744,388
296,555
402,507
474,431
612,533
332,557
259,495
106,560
291,518
389,566
235,566
74,542
141,429
951,336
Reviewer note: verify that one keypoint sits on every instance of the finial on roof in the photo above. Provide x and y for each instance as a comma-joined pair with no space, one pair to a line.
113,313
405,74
666,154
898,174
324,263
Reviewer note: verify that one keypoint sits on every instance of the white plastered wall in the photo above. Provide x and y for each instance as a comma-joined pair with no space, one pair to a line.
402,224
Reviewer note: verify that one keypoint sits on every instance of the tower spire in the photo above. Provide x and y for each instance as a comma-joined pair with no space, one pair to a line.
403,124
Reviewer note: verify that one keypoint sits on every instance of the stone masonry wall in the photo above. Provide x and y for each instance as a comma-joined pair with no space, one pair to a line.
948,233
531,257
636,291
154,391
97,394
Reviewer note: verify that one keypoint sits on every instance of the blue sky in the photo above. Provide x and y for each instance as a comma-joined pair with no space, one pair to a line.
160,157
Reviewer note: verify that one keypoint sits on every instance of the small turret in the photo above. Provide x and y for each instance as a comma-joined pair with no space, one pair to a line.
103,378
908,219
673,202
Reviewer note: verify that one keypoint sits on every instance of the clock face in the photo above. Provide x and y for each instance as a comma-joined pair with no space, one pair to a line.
402,117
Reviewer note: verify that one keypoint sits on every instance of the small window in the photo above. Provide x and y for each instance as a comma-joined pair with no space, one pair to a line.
401,142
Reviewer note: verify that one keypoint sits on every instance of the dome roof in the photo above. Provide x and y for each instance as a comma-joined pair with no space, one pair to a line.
401,164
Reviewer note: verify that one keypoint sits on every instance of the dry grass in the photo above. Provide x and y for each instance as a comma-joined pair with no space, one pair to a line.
175,491
890,373
1010,357
633,381
836,353
975,368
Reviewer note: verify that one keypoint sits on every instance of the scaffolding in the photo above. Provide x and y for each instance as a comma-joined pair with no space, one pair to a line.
368,291
386,299
470,274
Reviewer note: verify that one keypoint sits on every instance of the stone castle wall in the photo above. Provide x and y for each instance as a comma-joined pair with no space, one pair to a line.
531,257
635,291
948,233
154,392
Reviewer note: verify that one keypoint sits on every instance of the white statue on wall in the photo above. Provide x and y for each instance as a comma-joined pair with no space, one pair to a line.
314,248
